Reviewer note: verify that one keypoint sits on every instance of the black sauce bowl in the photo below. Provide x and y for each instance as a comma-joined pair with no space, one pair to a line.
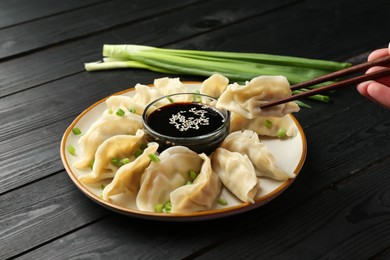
203,143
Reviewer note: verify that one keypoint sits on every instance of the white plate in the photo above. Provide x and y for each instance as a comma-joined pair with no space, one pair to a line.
289,153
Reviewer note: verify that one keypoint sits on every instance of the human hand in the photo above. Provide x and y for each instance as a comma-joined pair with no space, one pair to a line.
378,90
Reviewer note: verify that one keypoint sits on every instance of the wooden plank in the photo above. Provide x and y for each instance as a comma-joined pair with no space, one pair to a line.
331,30
45,112
68,58
120,237
43,211
79,23
348,222
13,12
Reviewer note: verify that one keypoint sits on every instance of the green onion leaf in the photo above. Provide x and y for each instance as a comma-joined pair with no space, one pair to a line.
267,123
91,163
71,150
192,175
131,110
125,161
117,162
138,152
167,207
76,131
170,99
158,208
120,112
143,146
222,201
153,157
281,133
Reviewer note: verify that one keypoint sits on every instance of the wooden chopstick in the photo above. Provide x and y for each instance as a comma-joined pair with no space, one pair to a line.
355,80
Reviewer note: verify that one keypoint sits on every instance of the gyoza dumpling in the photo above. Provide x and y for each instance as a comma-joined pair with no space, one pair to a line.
214,85
107,126
246,100
145,94
163,177
237,173
267,126
119,146
127,178
168,86
126,103
201,194
248,143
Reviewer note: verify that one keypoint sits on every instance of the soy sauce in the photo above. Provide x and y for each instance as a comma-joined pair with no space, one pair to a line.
185,119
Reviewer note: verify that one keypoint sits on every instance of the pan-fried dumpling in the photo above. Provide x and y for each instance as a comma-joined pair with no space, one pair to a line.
248,143
246,100
201,194
126,103
119,146
108,125
237,173
266,126
127,178
145,94
163,177
214,85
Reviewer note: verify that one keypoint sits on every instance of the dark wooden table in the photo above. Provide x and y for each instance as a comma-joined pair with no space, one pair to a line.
338,207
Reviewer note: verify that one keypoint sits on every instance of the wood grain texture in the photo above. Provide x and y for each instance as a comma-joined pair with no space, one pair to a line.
14,12
79,23
337,208
46,209
350,221
68,58
336,28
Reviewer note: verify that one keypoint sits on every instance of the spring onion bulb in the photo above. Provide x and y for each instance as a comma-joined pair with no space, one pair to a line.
235,66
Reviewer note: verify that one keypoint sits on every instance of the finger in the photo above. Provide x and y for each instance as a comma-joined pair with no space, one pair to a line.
378,54
379,93
384,80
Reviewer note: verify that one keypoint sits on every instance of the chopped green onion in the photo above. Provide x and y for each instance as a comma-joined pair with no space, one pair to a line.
167,207
281,133
131,110
110,111
91,163
143,146
120,162
170,100
158,208
120,112
76,131
125,161
153,157
101,190
117,162
222,201
197,97
189,183
138,152
192,175
71,150
267,123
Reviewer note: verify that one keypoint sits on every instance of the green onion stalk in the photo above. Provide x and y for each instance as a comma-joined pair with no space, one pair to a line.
239,67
